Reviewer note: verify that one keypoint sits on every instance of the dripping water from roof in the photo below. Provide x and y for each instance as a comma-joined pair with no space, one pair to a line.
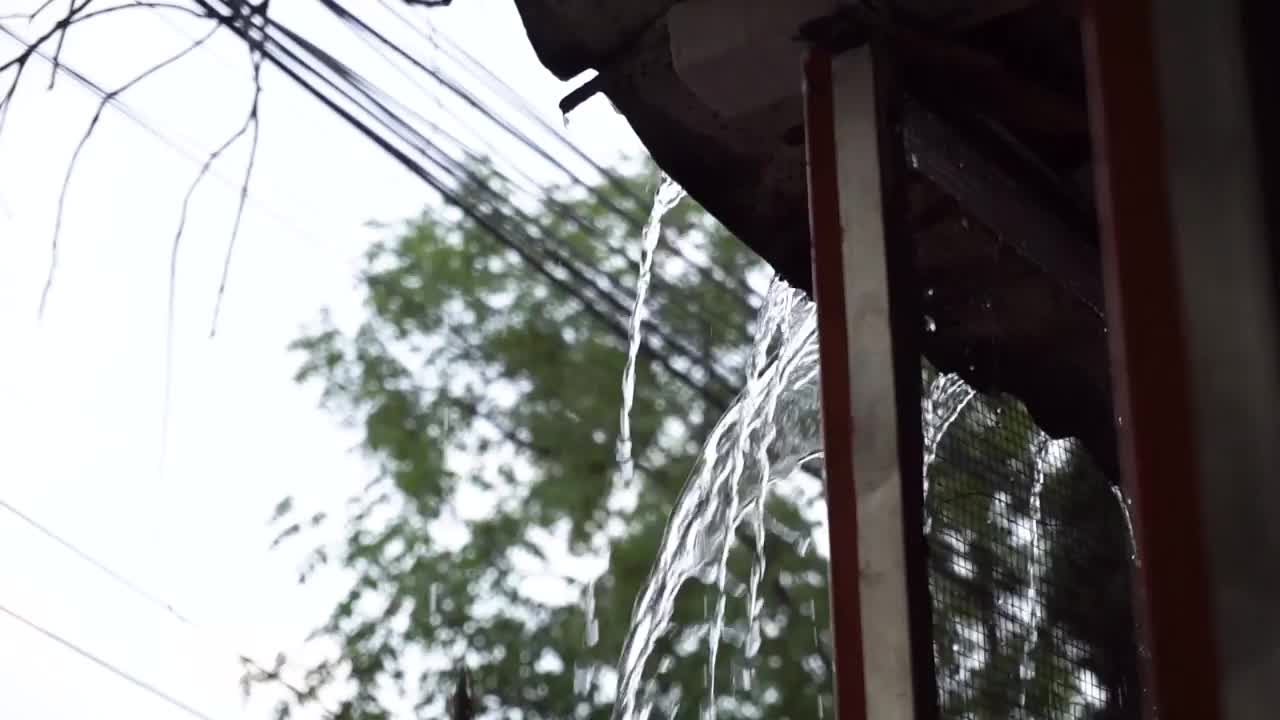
669,193
769,429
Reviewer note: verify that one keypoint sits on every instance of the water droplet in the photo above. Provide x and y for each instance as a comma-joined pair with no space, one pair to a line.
753,640
584,679
928,292
915,161
589,609
930,325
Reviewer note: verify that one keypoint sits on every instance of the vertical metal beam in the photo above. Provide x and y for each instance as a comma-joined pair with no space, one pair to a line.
1150,375
879,603
1187,195
1215,87
837,415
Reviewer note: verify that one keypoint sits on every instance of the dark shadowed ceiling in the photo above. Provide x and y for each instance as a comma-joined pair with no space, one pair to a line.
1000,207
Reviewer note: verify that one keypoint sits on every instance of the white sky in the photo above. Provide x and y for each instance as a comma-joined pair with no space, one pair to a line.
81,390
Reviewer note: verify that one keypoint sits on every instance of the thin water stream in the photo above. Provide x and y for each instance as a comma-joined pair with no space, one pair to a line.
669,193
1042,466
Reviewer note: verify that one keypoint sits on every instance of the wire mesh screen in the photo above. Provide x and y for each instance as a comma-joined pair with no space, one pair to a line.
1030,558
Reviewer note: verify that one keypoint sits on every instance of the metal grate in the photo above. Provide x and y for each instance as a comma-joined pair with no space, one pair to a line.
1030,557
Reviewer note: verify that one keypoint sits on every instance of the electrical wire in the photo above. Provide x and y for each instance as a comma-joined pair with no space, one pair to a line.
133,587
581,269
455,51
107,665
358,102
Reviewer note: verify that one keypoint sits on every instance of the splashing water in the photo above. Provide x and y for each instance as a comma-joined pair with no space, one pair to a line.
946,398
669,193
730,480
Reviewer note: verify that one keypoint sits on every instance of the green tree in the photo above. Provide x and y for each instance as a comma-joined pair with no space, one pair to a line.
485,384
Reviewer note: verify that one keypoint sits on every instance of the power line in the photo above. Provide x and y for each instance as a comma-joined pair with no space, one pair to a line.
535,249
108,666
136,589
576,271
395,115
103,567
455,51
349,94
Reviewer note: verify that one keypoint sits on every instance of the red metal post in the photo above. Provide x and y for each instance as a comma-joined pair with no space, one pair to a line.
837,413
1150,371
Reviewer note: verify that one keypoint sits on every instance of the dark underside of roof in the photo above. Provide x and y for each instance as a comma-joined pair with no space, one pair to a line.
1000,208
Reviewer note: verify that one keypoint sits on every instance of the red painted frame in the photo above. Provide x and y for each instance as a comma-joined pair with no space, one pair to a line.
1150,372
837,413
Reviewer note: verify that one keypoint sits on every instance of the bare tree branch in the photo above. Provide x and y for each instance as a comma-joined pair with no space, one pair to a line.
28,16
67,21
30,48
84,140
177,241
256,57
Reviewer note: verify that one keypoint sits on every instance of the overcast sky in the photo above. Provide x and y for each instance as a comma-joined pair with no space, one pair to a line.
81,390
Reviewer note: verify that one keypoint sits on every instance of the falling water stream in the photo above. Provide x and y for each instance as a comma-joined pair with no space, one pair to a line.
668,195
769,429
1043,465
729,484
945,399
766,433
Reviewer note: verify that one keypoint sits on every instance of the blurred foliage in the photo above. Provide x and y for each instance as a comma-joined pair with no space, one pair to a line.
487,398
1032,615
